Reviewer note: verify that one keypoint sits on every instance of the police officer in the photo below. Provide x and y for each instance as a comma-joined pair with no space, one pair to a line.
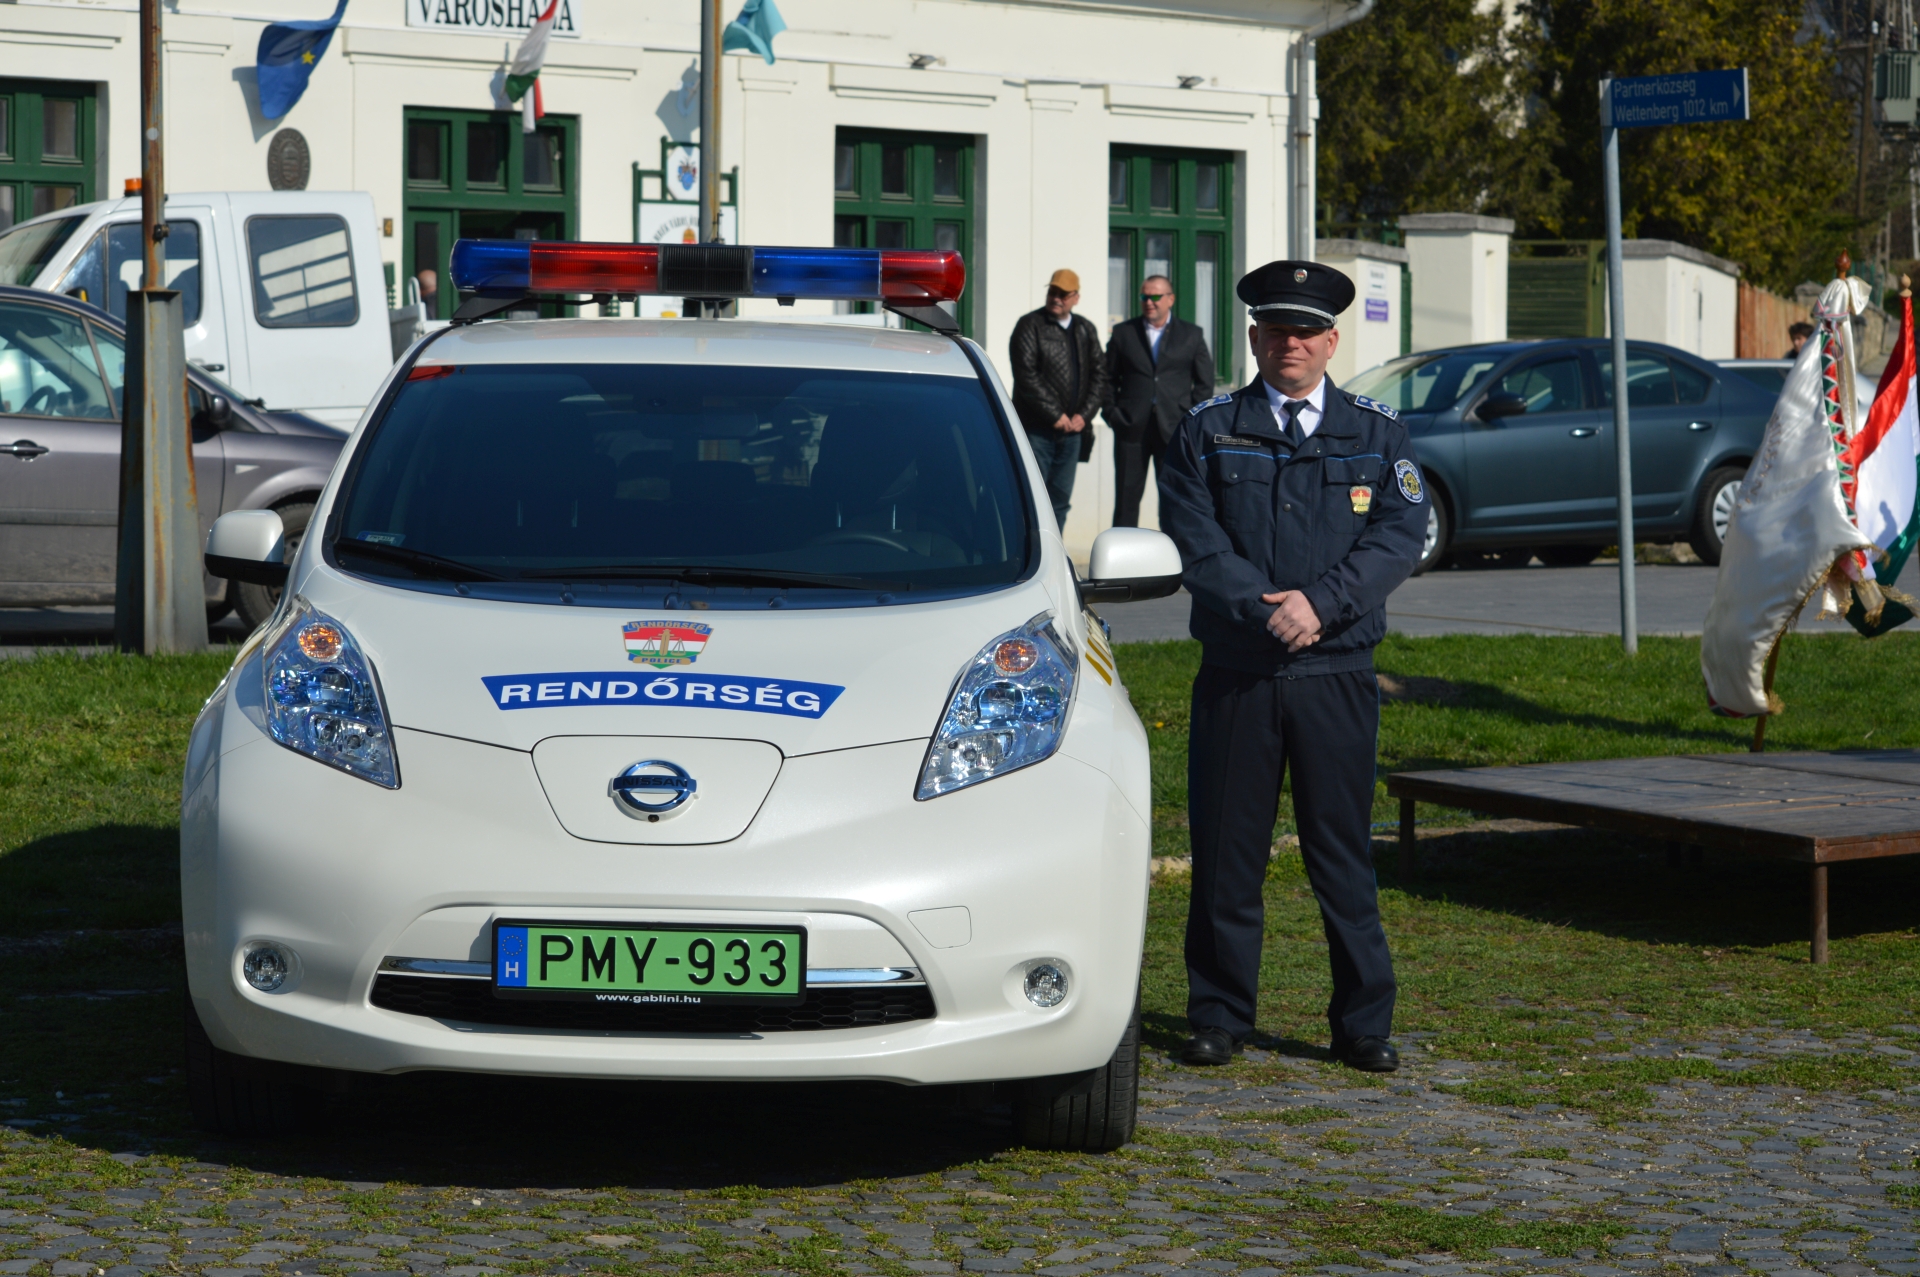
1297,509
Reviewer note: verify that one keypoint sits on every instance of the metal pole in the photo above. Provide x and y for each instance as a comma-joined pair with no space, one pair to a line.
710,120
1622,437
159,594
1303,149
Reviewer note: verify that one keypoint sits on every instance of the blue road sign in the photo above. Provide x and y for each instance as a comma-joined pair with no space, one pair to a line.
1687,97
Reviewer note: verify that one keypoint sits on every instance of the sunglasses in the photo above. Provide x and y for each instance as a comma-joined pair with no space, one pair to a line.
1154,297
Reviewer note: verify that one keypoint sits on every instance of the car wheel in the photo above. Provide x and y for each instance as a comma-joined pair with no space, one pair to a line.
1433,550
232,1095
1091,1112
255,603
1715,512
1568,556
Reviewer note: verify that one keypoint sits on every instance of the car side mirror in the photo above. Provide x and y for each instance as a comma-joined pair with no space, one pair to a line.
1499,405
250,546
1131,564
219,412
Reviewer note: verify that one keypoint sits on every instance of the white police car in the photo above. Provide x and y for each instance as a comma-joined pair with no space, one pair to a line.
695,698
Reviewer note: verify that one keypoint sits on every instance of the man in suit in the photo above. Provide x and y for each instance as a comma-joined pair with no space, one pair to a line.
1158,367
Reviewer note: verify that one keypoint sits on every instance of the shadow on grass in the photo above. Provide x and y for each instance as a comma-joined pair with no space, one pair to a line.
112,876
1488,699
1648,890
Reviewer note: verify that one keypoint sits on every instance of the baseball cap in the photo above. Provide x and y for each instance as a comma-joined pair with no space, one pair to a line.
1065,280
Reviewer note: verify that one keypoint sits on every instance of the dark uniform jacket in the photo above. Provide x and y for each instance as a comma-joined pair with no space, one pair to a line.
1341,517
1043,370
1148,397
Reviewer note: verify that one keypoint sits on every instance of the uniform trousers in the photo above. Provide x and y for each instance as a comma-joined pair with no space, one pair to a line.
1247,730
1133,451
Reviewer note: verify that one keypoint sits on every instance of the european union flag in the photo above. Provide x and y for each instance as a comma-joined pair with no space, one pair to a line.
288,53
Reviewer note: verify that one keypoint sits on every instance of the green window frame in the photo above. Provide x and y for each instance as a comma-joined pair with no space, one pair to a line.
898,189
1170,213
46,147
475,175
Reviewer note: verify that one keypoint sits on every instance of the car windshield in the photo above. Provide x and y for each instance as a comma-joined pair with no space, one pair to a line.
1424,383
746,478
25,249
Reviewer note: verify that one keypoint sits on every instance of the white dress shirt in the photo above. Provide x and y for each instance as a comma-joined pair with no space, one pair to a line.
1309,415
1153,339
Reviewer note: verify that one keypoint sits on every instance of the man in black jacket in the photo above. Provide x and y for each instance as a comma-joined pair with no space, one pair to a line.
1297,509
1158,368
1059,382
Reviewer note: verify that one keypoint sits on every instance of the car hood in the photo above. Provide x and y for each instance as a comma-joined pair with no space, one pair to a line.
805,680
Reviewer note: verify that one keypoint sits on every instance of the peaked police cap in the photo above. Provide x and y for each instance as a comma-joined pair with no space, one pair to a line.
1306,294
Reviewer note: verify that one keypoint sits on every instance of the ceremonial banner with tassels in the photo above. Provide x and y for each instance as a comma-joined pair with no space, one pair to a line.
1884,459
1793,533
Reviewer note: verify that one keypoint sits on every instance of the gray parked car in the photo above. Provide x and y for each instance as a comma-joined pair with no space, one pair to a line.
1516,440
62,382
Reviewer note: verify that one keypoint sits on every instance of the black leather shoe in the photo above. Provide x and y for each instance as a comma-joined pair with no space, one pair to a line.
1369,1055
1208,1046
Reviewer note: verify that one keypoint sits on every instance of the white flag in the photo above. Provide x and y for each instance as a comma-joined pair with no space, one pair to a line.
1792,534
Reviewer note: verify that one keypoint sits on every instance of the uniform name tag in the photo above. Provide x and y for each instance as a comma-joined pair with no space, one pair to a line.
1239,441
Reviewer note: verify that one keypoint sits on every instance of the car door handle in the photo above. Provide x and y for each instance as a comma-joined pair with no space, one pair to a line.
25,449
1584,432
1698,426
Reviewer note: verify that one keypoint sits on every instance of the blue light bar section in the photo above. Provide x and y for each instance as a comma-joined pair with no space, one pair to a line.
492,265
840,274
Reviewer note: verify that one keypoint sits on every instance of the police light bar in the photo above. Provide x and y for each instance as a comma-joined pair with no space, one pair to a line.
898,277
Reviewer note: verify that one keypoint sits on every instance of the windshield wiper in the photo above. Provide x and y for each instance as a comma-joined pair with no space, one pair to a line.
717,576
426,564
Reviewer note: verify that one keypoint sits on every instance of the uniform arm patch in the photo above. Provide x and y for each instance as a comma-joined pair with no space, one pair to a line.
1361,401
1407,475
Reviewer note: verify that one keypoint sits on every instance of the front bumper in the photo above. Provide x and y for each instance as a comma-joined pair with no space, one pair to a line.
1049,862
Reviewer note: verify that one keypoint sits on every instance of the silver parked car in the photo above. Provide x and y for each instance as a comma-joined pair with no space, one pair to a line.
62,383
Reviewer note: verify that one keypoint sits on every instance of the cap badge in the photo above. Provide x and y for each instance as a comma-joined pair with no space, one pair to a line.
1300,275
1361,496
663,644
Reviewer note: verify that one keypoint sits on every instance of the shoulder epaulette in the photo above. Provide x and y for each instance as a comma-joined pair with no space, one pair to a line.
1361,401
1211,403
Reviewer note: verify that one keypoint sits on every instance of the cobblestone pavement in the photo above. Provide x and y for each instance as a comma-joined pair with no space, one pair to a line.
1279,1165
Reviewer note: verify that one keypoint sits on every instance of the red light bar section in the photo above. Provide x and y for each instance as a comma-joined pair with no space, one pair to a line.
562,267
921,275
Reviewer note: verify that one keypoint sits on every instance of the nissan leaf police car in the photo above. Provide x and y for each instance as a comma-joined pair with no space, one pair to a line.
676,699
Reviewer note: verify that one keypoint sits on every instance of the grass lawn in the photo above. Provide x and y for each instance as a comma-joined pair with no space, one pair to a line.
1520,951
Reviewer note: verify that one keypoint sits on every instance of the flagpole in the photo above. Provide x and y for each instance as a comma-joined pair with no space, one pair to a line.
710,120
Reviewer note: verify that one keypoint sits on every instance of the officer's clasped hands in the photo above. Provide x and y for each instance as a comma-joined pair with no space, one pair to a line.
1294,622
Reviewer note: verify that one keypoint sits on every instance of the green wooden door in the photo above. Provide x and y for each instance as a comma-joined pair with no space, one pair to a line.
905,190
1170,213
46,147
475,175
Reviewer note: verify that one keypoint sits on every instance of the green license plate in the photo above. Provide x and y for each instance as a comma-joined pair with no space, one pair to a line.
648,964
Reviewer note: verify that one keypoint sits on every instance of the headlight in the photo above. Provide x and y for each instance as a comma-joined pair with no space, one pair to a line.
321,697
1009,709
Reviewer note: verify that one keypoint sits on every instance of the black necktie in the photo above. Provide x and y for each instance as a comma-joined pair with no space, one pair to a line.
1293,408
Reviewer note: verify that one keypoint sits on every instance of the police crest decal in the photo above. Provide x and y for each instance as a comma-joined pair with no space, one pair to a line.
1407,475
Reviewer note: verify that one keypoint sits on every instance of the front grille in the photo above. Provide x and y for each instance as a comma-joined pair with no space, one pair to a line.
825,1008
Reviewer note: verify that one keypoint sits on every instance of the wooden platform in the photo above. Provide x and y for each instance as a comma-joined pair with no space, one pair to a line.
1815,808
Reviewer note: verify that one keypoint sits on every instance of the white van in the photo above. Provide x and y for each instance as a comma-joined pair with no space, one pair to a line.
284,295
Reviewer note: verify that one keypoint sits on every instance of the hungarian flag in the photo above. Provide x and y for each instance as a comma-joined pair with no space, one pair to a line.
1793,535
523,77
1881,467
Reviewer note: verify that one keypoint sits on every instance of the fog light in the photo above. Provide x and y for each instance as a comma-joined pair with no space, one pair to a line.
267,969
1046,985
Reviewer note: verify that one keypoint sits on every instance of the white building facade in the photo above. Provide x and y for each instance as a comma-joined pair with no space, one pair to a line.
1119,138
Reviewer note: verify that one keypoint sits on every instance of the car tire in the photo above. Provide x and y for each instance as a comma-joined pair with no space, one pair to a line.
1433,551
1715,509
1091,1112
255,603
1568,556
230,1094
